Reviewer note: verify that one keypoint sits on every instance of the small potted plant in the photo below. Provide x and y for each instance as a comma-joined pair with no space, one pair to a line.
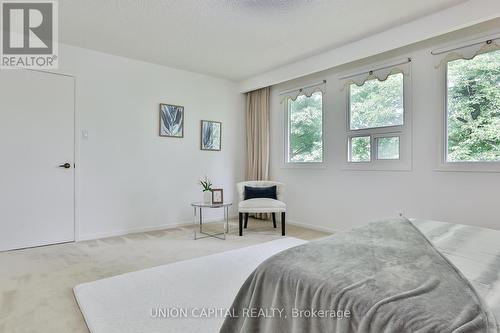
206,185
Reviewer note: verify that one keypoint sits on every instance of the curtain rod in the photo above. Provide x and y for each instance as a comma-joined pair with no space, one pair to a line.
401,62
303,87
487,40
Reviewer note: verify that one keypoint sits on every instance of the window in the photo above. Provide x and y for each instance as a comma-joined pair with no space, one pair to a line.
304,126
473,109
377,103
388,148
360,149
378,125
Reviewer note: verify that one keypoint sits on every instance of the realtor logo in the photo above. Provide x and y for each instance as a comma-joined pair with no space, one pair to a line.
29,34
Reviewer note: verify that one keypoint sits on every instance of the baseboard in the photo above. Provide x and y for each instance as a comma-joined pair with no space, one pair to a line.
123,232
128,231
311,226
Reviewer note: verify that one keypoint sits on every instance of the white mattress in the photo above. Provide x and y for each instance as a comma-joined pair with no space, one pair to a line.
475,251
123,303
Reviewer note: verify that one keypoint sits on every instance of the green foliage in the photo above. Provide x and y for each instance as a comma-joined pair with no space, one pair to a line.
474,108
206,184
306,128
377,103
473,114
360,149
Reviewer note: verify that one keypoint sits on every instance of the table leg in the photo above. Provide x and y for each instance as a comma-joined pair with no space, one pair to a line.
201,220
195,221
226,219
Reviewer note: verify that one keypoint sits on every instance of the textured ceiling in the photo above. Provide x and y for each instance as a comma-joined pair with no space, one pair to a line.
233,39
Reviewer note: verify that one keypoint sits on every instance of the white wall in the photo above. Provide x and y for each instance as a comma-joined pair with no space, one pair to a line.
129,178
337,199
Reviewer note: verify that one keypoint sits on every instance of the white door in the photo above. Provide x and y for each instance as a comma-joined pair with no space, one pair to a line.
36,140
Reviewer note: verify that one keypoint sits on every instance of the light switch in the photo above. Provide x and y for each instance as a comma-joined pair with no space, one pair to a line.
85,134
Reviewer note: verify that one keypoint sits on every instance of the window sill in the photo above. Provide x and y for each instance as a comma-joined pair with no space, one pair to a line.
469,167
380,166
312,165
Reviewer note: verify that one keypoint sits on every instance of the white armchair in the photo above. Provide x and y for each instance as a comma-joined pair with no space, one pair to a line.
261,205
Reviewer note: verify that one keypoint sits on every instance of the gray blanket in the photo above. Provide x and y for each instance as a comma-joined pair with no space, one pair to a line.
382,277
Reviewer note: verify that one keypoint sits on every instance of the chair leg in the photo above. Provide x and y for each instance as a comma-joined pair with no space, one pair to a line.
274,220
241,224
246,220
283,224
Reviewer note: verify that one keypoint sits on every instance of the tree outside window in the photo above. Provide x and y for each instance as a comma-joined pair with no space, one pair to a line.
305,129
473,109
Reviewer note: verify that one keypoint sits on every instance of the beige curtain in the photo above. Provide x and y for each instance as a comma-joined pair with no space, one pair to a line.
257,132
257,137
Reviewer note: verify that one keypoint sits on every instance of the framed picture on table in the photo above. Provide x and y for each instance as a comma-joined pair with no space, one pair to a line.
217,196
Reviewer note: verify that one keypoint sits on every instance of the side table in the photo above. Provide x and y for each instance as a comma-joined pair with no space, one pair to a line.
198,219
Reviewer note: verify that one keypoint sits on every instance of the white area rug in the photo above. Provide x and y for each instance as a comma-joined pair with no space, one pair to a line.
129,303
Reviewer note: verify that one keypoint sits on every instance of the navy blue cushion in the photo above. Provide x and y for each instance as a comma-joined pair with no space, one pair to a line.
260,192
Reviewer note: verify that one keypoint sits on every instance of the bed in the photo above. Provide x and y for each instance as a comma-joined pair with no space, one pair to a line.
389,276
122,303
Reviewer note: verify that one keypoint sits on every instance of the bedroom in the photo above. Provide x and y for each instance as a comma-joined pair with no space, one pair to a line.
100,200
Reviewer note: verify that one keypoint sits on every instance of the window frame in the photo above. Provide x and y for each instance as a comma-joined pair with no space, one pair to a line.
404,132
286,133
444,163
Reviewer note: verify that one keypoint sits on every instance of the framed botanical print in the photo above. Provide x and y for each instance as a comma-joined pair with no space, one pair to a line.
171,120
211,134
217,196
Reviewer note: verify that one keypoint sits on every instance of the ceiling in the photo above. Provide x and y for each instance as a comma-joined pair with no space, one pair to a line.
233,39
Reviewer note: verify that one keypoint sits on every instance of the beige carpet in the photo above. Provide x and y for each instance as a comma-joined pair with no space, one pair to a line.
36,284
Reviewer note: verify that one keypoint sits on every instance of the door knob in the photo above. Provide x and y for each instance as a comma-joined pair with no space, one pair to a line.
65,165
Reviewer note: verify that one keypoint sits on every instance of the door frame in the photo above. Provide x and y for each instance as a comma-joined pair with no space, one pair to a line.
76,152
